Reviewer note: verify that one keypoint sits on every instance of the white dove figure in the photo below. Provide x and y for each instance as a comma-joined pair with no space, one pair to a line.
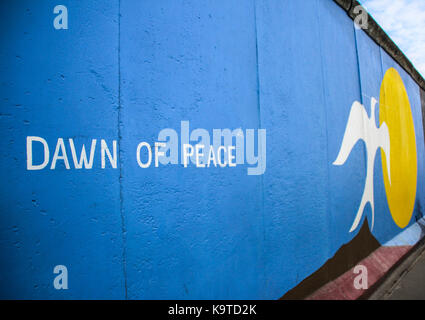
360,126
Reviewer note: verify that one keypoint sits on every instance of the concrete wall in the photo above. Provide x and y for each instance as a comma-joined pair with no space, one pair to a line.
125,70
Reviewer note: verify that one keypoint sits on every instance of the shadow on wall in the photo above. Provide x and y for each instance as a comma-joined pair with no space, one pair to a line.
363,244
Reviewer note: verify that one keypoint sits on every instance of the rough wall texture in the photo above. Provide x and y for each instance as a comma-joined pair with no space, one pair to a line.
422,94
125,70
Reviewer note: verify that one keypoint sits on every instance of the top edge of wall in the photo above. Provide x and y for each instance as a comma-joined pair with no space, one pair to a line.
384,41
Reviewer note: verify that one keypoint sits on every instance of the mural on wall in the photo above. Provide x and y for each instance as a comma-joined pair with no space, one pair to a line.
396,138
166,230
396,112
360,126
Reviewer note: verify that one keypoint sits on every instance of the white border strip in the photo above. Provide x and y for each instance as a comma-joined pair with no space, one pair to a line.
410,236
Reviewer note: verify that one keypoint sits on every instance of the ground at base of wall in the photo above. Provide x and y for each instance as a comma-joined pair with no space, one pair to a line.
406,281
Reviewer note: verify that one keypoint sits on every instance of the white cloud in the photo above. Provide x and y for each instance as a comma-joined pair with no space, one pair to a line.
404,22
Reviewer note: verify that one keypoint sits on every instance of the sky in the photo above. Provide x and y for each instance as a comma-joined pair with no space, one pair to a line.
404,22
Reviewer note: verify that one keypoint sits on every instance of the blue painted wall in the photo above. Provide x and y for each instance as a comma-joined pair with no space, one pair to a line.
125,70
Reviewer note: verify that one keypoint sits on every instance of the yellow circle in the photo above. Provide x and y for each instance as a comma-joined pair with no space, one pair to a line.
394,110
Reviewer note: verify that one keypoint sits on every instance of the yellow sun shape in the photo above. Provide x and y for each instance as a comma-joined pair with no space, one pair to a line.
395,111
